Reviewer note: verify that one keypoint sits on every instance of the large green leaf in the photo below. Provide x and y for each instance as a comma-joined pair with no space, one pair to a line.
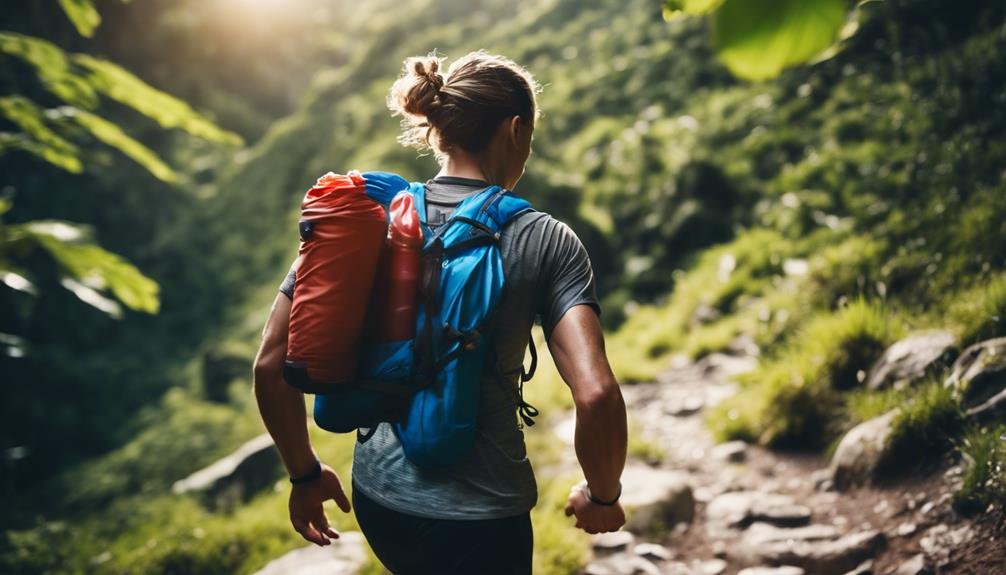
52,66
87,268
35,136
112,135
117,83
757,39
83,14
674,8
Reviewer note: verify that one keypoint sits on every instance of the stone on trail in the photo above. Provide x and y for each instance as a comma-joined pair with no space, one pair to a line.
655,500
711,567
345,556
784,570
622,564
818,549
652,551
738,509
236,477
914,566
979,373
862,451
731,451
940,540
864,568
612,541
911,358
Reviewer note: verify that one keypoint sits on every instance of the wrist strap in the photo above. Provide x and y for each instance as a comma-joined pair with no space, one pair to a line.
596,501
310,475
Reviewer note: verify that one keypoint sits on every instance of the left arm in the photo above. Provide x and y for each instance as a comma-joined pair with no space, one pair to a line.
284,415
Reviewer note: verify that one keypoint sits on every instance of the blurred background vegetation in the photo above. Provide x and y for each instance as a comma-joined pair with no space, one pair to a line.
820,177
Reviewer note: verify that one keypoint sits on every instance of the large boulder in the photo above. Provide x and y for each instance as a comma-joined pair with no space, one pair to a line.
863,451
236,477
817,549
912,358
980,372
345,556
655,499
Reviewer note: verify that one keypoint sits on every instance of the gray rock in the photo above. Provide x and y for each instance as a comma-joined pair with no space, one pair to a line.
784,570
940,540
237,477
979,374
613,541
711,567
653,552
655,500
739,509
864,568
991,410
817,549
622,564
345,556
914,566
911,358
907,528
862,451
731,451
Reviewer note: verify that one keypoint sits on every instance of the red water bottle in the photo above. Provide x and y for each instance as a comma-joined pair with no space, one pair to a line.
404,245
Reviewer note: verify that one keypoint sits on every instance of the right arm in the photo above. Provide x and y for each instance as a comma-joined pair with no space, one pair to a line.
577,345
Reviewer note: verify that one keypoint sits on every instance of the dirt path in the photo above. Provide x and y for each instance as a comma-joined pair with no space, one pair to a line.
754,508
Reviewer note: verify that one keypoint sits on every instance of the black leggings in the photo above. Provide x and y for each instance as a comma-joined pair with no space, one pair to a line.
408,544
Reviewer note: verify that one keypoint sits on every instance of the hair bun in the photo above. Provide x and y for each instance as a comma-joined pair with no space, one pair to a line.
426,68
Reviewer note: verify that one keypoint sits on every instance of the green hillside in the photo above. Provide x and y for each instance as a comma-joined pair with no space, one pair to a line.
820,215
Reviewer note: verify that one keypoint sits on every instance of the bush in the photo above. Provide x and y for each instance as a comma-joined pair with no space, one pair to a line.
984,481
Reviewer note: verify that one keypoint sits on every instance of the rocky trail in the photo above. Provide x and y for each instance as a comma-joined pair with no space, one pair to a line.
736,508
698,508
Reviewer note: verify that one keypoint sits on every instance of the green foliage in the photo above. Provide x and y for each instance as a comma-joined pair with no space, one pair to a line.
757,39
35,136
984,483
980,312
112,135
83,14
169,112
792,399
85,268
928,420
53,67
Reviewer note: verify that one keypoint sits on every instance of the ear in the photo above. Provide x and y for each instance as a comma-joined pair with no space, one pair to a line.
514,126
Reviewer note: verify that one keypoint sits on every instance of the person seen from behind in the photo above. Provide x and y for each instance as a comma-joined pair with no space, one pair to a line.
473,517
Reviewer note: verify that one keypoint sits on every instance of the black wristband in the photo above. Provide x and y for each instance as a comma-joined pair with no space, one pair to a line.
596,501
309,476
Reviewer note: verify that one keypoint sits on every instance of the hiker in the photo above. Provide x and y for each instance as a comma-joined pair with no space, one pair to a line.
473,517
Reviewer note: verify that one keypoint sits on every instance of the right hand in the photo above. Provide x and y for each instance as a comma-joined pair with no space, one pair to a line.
591,517
306,511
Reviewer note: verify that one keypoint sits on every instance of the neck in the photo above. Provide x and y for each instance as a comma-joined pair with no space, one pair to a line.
464,165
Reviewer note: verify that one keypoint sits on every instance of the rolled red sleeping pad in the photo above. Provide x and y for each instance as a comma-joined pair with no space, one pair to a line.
342,234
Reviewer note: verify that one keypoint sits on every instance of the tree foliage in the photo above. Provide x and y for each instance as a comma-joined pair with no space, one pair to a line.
757,39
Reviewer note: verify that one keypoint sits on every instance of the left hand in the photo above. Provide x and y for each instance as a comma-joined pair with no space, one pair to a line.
307,513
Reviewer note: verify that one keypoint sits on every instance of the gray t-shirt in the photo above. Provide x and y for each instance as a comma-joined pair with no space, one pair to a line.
547,272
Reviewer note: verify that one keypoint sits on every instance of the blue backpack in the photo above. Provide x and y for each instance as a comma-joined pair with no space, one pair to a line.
428,387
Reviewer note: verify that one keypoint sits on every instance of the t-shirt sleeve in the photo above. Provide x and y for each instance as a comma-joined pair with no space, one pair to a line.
290,281
567,276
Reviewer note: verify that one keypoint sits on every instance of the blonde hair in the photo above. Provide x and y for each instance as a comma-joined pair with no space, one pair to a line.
463,109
